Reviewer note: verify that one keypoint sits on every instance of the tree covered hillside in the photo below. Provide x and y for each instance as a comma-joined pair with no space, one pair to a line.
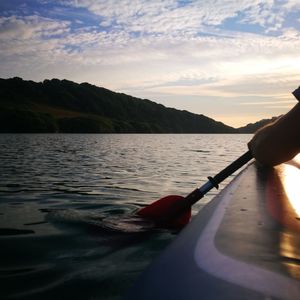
65,106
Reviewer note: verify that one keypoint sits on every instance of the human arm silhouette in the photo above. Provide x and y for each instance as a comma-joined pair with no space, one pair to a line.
279,141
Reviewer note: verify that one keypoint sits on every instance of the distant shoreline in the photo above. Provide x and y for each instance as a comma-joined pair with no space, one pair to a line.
62,106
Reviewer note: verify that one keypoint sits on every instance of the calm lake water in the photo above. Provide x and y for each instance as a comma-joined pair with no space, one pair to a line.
67,203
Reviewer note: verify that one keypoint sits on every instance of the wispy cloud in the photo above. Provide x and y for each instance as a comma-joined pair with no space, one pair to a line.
285,103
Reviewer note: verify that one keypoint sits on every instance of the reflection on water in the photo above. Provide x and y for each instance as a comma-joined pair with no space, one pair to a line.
66,203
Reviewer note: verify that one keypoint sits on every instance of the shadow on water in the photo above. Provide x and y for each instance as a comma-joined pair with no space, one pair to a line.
14,231
76,253
116,229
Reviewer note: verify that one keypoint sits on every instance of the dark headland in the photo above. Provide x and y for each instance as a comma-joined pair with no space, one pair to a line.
68,107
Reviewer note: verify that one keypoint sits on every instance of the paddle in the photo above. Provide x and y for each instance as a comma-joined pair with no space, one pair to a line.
175,211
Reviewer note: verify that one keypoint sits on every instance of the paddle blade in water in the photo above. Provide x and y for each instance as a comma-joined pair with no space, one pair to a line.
160,212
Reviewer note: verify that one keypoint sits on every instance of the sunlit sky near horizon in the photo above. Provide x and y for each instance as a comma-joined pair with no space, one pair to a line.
234,61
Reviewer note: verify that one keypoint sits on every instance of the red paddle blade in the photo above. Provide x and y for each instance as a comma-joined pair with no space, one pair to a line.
160,210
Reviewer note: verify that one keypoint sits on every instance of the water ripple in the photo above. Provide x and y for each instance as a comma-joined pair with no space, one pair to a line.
67,203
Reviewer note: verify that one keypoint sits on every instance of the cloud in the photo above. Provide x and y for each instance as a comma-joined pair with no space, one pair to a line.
168,60
172,17
292,5
260,103
29,43
34,26
21,35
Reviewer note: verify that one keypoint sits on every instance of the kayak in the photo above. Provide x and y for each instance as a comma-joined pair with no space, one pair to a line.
244,244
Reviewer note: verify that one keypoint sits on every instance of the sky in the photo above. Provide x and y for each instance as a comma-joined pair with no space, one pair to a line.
234,61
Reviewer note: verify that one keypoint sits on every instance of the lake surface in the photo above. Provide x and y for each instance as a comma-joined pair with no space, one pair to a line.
67,203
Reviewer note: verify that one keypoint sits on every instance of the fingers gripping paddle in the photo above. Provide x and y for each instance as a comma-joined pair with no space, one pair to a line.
175,211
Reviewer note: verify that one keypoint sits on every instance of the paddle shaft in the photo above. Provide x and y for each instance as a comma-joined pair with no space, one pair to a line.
212,182
165,210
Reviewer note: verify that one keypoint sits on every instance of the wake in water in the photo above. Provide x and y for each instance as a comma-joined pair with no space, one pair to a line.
118,223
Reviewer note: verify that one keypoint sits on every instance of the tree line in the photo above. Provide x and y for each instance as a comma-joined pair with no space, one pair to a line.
65,106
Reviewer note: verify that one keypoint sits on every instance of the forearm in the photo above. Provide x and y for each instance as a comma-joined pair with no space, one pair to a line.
278,142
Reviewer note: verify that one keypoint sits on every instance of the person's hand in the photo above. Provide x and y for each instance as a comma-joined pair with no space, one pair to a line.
278,142
269,146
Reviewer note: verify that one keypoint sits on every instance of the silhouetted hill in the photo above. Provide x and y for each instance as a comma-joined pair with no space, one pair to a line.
65,106
253,127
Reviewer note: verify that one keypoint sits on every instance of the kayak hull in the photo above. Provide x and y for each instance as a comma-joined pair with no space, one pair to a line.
244,244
